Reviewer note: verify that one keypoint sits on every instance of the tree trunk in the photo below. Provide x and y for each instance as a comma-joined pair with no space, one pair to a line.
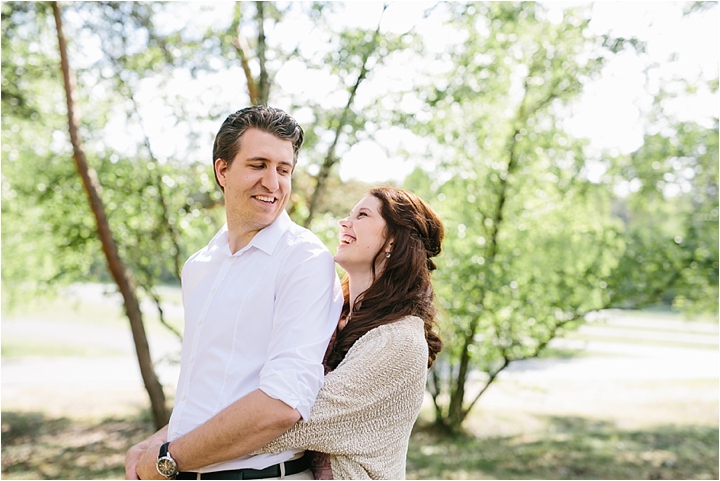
115,265
457,410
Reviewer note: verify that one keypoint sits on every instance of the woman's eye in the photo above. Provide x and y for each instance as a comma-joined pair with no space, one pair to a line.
362,214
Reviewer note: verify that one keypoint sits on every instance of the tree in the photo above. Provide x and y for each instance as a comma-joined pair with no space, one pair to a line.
349,60
364,50
668,201
158,209
535,240
666,193
530,240
117,268
33,246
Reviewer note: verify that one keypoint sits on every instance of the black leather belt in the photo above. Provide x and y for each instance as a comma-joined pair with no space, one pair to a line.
291,467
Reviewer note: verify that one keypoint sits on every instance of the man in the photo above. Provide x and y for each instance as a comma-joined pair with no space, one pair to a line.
261,301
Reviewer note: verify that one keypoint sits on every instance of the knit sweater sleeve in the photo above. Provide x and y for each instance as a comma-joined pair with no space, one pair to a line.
371,399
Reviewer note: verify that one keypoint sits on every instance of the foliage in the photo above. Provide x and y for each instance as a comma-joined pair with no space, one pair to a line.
530,242
162,205
32,172
534,240
159,212
672,220
352,62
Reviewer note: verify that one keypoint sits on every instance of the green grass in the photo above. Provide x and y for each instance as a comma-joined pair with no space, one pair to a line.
37,447
77,311
23,347
571,448
665,313
526,443
69,310
563,353
641,342
641,327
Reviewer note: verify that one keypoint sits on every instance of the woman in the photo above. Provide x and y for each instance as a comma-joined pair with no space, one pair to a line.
385,341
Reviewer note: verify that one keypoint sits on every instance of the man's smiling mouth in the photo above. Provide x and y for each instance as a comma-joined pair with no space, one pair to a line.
269,200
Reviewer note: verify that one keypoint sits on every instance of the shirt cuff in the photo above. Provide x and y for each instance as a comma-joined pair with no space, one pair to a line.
284,387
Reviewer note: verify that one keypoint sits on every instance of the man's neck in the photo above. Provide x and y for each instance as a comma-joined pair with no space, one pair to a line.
239,237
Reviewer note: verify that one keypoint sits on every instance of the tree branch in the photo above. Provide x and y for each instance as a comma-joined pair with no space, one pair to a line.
330,159
242,48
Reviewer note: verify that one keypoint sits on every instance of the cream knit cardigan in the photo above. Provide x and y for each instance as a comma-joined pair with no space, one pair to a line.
367,406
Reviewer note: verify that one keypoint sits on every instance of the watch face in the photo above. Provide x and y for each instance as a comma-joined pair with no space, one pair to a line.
167,467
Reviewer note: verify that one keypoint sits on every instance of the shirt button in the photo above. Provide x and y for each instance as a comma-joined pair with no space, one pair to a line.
184,398
212,290
200,323
192,360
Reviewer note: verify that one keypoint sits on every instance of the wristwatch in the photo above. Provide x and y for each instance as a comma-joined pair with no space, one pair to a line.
166,465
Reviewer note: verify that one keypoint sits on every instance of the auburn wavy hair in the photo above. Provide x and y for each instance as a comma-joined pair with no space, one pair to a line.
403,287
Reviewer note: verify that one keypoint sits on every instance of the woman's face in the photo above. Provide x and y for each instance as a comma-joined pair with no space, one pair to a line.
362,235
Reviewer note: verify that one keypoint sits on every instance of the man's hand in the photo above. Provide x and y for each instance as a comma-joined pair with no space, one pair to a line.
132,457
146,467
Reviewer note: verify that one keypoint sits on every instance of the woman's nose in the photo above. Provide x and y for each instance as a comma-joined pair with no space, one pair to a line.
344,222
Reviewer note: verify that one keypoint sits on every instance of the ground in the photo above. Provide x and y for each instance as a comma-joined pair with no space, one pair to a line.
639,395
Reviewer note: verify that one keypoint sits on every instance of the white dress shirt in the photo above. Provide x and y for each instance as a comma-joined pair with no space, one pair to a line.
257,319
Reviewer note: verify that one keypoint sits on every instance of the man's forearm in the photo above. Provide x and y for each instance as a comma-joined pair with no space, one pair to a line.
238,430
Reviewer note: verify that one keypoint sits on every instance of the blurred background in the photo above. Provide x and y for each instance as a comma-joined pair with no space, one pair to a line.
571,149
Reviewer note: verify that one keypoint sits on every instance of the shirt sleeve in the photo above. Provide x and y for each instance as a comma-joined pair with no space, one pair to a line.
308,301
370,401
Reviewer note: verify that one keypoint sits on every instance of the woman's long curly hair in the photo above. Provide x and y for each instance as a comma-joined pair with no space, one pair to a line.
403,287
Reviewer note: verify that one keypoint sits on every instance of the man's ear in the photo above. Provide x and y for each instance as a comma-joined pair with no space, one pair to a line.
221,167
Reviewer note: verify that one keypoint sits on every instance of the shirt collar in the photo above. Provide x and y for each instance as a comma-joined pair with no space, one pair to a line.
266,240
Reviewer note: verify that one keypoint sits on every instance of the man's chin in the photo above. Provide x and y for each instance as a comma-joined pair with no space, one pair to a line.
267,218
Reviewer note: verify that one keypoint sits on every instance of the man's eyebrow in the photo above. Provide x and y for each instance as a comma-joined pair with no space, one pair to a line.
260,158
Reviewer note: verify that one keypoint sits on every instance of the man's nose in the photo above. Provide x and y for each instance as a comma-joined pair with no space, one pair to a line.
270,180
